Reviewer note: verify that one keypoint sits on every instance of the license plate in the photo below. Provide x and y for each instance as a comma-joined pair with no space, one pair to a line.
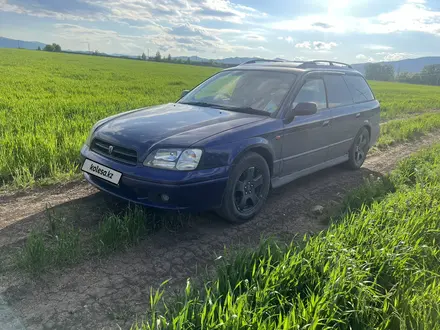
101,171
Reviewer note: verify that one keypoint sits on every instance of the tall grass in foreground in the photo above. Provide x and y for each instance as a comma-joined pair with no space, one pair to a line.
377,268
59,243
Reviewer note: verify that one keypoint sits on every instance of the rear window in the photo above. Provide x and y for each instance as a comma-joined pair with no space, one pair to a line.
359,89
337,91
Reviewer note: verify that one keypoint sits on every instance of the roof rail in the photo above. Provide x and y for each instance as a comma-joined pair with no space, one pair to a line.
317,62
260,60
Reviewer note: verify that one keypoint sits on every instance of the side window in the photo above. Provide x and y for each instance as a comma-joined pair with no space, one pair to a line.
312,91
359,89
338,93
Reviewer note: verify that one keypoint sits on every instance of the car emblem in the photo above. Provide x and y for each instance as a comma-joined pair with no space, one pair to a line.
110,150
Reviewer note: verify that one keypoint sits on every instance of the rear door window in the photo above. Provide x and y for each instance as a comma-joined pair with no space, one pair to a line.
359,89
337,91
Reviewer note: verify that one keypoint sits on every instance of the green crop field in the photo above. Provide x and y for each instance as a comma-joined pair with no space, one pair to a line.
399,100
49,101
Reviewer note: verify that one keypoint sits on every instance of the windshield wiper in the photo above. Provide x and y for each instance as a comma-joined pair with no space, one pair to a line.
249,110
206,104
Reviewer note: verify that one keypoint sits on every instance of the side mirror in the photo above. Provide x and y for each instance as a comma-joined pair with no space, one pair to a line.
302,109
184,92
305,109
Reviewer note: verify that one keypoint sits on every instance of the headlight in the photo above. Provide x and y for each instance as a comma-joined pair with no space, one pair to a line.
174,159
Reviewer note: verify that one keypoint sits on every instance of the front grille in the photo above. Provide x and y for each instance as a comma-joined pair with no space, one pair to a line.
120,154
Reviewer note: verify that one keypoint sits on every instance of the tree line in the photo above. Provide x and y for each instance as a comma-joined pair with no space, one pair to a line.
159,58
430,75
51,48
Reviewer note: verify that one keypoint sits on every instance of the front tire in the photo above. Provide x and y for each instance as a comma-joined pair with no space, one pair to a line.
247,189
359,149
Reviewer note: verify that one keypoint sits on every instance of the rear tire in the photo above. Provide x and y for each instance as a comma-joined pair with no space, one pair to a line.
246,190
359,149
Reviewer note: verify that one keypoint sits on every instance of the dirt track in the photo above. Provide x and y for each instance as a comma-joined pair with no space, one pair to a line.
109,293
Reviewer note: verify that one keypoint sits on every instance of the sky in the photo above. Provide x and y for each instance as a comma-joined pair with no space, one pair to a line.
353,31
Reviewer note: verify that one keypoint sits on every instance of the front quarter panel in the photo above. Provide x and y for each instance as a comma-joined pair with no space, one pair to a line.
224,149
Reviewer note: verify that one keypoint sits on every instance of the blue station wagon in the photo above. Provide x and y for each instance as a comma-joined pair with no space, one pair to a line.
238,134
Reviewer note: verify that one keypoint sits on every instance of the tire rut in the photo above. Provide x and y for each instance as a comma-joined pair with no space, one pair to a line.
110,293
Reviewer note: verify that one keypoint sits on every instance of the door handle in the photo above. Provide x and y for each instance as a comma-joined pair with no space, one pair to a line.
326,123
358,115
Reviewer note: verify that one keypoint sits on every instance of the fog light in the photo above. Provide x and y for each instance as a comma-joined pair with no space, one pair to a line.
165,198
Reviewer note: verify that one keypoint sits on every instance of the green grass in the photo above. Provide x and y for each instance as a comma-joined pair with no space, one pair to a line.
376,268
402,130
399,99
60,243
49,101
119,231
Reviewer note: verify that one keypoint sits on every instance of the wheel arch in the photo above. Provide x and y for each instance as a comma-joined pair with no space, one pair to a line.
264,150
368,127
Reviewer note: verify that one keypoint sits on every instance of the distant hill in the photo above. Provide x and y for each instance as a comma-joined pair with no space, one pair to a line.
409,65
13,43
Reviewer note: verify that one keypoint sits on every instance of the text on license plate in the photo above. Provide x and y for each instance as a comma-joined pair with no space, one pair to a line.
101,171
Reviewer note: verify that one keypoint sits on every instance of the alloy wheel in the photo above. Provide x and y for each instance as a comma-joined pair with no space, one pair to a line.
361,148
248,190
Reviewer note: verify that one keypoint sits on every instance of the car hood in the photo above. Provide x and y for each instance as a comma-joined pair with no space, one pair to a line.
172,124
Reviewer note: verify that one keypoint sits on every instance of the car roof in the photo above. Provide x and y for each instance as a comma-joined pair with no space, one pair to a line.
296,66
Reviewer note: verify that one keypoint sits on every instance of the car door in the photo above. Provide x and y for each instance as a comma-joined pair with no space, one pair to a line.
344,115
305,141
366,109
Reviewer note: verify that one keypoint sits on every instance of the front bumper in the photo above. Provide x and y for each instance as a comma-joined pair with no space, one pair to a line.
193,191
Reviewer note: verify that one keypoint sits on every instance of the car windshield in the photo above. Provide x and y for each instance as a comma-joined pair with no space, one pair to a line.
258,91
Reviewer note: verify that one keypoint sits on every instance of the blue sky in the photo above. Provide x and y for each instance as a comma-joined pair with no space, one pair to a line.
346,30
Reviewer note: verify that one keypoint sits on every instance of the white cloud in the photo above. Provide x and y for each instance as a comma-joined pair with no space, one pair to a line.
178,26
289,39
305,44
386,56
319,23
176,41
159,11
73,37
167,24
378,47
396,56
254,37
413,15
35,10
317,45
364,58
324,46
